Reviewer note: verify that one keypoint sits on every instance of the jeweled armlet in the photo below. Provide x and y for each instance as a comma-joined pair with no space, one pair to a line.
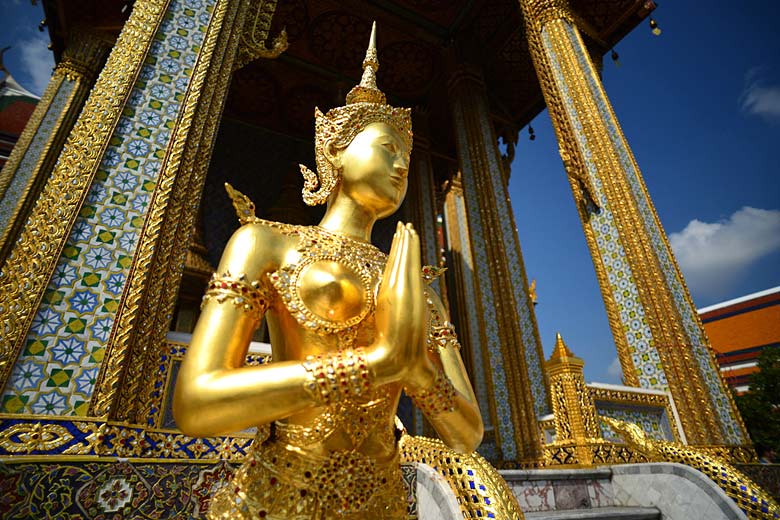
335,377
251,297
437,399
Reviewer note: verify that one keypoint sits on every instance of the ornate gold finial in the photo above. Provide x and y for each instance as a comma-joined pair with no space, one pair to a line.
561,351
367,91
245,208
366,104
532,292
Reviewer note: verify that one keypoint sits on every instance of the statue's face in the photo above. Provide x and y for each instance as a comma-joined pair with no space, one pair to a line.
374,169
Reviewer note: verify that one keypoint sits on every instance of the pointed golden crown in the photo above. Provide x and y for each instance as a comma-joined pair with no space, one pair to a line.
366,104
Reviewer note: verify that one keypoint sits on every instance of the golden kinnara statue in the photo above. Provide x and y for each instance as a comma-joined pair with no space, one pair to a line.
350,329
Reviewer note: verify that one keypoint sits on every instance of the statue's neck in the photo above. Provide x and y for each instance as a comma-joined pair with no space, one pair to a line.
344,216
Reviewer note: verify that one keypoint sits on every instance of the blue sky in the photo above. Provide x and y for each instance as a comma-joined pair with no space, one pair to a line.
700,107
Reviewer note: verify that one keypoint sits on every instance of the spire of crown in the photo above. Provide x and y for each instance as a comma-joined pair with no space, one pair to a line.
367,91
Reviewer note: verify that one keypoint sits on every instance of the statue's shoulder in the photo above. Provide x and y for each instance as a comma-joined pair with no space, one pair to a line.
250,223
259,245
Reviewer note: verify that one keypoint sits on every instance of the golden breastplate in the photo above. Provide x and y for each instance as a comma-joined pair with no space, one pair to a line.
331,287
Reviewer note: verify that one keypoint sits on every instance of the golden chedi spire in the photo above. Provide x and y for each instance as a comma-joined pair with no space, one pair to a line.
367,91
561,353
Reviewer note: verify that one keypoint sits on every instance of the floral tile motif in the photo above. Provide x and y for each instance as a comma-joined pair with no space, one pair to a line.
693,330
622,286
70,330
23,175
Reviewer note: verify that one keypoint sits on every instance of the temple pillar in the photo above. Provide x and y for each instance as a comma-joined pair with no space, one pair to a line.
496,316
576,421
115,214
420,209
660,340
39,145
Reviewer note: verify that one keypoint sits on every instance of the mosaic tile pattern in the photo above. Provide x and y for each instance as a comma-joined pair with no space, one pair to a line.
622,286
652,420
480,378
528,327
56,372
138,490
687,312
23,175
481,266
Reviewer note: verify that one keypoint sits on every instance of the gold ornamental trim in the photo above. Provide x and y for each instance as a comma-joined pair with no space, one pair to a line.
113,368
26,271
92,52
26,137
164,285
490,494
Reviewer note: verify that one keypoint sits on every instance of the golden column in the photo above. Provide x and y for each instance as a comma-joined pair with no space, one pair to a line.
33,157
660,340
501,324
420,208
115,214
576,421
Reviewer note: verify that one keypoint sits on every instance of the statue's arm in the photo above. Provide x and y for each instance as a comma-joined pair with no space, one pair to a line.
215,393
456,418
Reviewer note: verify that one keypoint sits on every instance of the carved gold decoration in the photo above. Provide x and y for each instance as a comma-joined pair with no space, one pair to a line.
254,38
136,317
436,400
183,210
252,296
22,437
593,452
481,491
749,496
83,54
286,484
29,437
245,208
573,407
29,266
336,378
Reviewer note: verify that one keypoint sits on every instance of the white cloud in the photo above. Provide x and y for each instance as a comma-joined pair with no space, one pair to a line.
714,255
38,62
762,101
615,372
758,98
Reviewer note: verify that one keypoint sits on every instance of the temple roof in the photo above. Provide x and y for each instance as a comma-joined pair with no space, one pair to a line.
419,43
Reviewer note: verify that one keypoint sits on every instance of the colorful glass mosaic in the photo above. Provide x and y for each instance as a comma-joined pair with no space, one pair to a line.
639,338
73,490
56,372
652,226
23,174
478,375
528,327
481,267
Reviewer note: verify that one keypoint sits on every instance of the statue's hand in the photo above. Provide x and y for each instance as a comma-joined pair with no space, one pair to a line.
401,313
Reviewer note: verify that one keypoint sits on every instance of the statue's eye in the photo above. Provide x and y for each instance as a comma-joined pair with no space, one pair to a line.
390,147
